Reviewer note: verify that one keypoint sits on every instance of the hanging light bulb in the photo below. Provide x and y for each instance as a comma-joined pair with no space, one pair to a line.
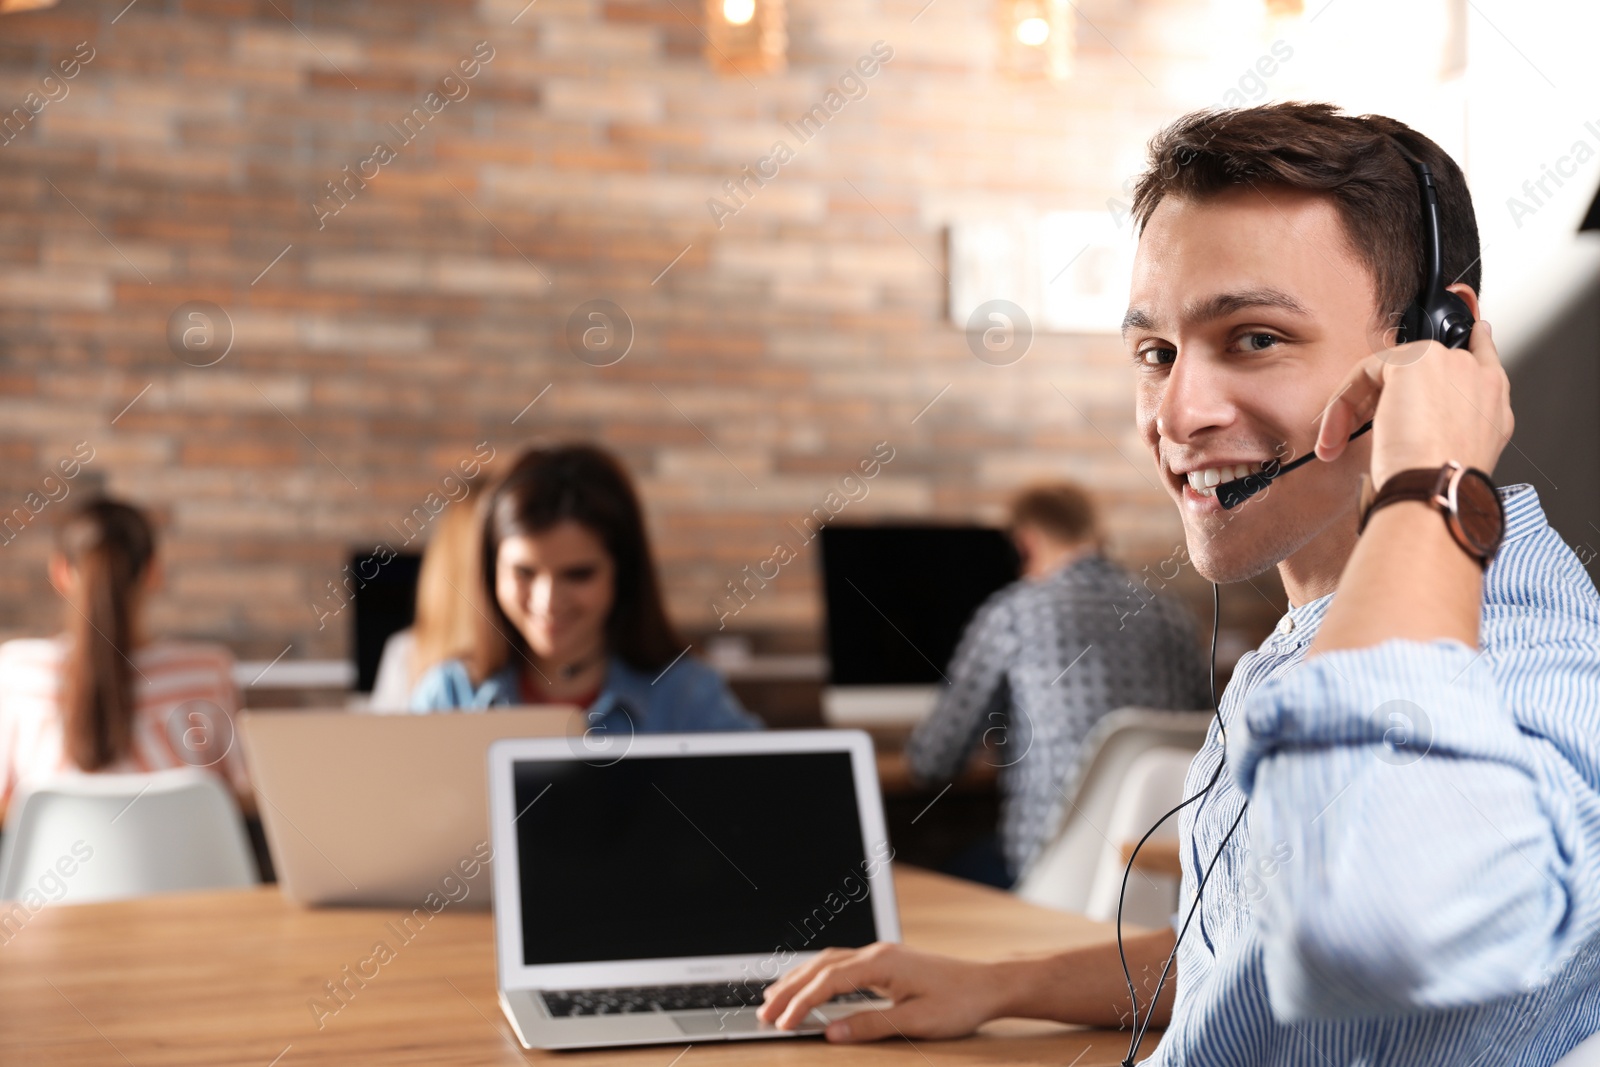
1033,32
1038,38
745,36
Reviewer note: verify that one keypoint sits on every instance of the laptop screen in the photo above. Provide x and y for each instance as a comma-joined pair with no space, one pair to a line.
706,855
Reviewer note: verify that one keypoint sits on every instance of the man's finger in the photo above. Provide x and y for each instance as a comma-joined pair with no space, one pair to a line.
1481,344
829,983
778,994
869,1024
1352,404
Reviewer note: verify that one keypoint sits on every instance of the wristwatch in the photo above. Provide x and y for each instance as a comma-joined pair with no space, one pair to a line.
1465,495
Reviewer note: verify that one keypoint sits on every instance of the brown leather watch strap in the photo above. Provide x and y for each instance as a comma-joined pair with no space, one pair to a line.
1418,483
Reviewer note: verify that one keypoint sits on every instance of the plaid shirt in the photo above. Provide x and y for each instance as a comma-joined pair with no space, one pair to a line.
1040,663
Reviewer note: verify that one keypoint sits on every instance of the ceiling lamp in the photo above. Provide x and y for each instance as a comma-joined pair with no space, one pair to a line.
1037,38
745,36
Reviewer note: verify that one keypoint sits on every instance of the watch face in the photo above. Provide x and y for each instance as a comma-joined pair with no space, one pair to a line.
1479,515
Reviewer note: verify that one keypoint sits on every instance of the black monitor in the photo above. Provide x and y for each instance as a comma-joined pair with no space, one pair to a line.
384,604
898,597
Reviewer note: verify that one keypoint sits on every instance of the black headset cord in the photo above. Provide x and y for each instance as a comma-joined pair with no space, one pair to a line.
1139,1032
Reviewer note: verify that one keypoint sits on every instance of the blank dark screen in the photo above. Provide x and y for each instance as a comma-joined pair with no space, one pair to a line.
648,858
385,595
899,597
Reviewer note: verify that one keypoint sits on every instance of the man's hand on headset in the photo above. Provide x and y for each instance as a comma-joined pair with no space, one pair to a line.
1428,404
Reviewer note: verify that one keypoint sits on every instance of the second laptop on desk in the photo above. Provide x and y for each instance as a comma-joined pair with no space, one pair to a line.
384,809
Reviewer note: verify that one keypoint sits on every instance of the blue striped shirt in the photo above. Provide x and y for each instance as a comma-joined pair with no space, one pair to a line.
1417,877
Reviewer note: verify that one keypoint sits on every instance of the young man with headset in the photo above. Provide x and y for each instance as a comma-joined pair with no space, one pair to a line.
1391,839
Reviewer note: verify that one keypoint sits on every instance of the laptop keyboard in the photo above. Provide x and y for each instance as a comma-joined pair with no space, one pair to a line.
631,999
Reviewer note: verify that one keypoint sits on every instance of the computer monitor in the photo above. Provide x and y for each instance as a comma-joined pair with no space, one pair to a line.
384,604
897,599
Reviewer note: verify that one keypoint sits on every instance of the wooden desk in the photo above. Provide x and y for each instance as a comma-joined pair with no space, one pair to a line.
226,978
894,775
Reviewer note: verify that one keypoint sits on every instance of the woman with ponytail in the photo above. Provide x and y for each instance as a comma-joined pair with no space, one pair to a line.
102,697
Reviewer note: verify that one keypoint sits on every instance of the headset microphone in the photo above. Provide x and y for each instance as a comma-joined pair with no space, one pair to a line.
1239,490
1436,315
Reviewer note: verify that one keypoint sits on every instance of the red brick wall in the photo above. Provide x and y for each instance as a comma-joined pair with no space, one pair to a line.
421,319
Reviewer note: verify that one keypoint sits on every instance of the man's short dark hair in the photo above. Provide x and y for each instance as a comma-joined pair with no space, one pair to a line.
1061,509
1318,148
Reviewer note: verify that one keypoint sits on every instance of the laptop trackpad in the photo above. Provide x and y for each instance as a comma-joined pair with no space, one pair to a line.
738,1021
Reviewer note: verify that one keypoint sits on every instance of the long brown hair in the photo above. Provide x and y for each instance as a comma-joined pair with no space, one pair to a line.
446,623
109,546
586,485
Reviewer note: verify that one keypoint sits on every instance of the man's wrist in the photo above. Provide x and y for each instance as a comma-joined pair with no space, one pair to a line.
1407,578
1420,519
1012,984
1464,497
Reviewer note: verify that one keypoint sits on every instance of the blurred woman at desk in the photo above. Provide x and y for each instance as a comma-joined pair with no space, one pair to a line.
572,609
445,624
102,697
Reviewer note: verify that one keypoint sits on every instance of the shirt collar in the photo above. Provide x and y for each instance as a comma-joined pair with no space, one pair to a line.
624,688
1300,623
1089,558
1523,516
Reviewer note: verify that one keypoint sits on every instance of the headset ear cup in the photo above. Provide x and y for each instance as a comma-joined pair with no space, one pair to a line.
1455,323
1446,319
1413,325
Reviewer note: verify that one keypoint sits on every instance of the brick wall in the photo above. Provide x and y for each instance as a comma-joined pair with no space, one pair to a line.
384,328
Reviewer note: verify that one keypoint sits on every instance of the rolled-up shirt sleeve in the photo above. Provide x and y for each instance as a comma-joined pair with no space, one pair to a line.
1440,810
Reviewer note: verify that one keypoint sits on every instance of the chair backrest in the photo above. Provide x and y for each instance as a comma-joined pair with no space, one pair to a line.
1066,870
88,837
1152,787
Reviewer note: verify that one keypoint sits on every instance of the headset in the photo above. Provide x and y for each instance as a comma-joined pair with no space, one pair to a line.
1435,315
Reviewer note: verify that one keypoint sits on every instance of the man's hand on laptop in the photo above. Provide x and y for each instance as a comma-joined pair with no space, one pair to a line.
933,996
936,996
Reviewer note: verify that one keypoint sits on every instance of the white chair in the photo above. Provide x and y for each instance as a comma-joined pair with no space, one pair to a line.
1152,787
1071,871
81,838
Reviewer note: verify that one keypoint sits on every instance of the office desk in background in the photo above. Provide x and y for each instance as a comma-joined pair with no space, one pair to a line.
226,979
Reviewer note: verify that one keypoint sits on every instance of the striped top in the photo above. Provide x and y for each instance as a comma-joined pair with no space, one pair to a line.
186,706
1417,877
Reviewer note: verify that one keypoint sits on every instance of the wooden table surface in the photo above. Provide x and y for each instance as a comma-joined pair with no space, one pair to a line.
228,978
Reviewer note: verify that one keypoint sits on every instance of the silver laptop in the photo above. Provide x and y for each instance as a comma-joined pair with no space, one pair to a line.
653,894
384,809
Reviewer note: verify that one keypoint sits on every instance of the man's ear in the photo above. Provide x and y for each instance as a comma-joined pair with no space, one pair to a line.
1464,291
1026,540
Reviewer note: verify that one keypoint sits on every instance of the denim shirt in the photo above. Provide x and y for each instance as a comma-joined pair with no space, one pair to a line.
687,697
